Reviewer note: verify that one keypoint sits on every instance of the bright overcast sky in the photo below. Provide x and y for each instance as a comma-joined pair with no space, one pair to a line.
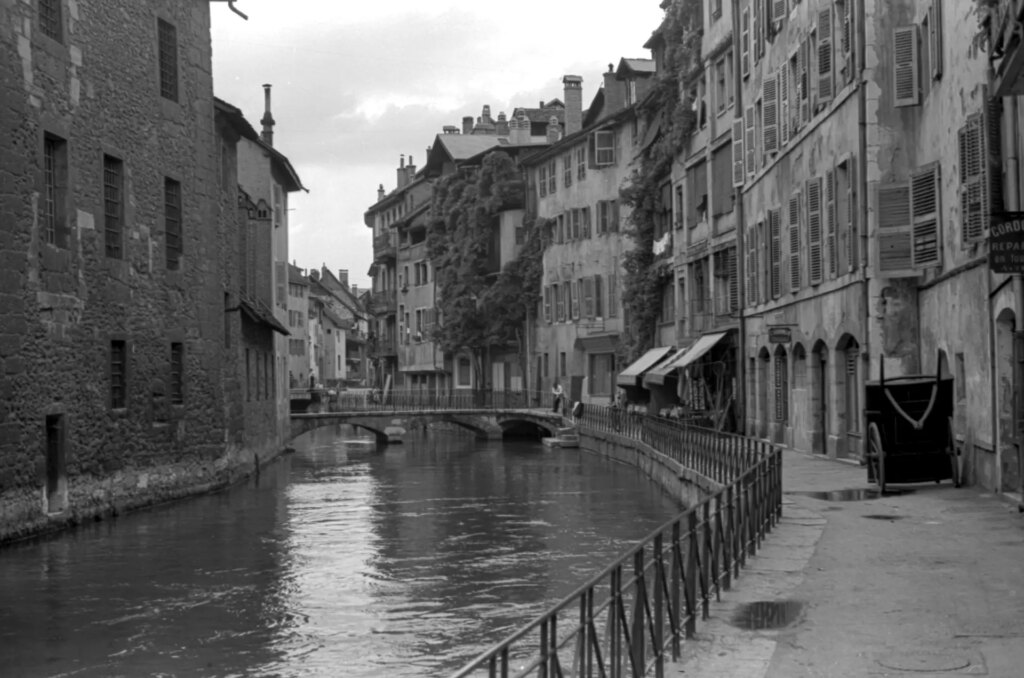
357,83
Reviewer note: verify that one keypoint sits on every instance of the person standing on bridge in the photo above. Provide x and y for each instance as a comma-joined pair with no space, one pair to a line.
559,394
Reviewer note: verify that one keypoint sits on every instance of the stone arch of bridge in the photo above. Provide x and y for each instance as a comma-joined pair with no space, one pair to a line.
485,425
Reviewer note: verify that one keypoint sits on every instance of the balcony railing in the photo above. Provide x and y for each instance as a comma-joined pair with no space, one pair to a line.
382,303
384,247
1002,21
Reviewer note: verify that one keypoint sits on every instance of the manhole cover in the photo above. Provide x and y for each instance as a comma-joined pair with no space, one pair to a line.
882,516
766,614
924,662
852,495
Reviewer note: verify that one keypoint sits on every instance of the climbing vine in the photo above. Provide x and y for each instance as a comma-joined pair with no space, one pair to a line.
460,243
666,107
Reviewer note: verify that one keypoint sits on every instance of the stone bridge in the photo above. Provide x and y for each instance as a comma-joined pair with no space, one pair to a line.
390,425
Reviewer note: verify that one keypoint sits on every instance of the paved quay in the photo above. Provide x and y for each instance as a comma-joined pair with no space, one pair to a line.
927,583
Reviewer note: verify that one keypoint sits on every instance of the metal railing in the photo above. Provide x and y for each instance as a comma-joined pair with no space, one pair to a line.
635,614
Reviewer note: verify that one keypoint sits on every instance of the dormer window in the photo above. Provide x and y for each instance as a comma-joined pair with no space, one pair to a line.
602,148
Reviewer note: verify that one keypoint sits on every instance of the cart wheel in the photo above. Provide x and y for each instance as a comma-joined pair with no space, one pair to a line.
954,459
877,455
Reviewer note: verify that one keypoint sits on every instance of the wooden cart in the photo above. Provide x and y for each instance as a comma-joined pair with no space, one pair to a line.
910,430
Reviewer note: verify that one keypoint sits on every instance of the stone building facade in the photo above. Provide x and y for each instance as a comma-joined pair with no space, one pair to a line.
111,305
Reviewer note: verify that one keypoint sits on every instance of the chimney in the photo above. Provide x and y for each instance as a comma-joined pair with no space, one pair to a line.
573,103
502,128
523,133
410,170
380,192
403,177
614,93
467,124
268,120
554,130
450,129
343,276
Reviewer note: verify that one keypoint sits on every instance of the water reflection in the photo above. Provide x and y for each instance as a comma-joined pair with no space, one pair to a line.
404,561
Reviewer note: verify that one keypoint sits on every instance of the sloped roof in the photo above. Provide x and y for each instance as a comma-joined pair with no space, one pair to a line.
643,66
542,114
296,276
234,116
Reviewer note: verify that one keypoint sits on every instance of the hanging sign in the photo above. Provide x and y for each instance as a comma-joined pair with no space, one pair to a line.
779,334
1006,243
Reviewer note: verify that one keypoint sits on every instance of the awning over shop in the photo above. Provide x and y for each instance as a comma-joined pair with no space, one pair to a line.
657,375
597,343
632,374
699,348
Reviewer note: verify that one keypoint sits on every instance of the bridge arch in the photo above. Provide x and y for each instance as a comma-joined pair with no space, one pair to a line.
390,426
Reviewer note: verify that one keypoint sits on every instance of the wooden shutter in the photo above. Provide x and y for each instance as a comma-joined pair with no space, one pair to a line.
755,29
614,216
784,104
574,292
803,61
547,304
830,223
775,230
972,180
588,297
925,189
745,42
781,387
738,173
750,115
895,239
847,36
851,217
598,297
751,244
770,114
993,158
734,287
764,260
814,230
906,75
935,38
794,242
826,82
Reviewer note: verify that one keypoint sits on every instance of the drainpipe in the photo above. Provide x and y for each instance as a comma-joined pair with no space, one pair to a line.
741,350
862,179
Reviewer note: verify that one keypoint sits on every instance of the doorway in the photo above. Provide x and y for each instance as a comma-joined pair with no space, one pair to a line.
819,398
56,473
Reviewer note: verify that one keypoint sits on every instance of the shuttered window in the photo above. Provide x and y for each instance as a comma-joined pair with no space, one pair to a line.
906,76
925,189
775,251
734,283
770,114
802,61
830,223
794,242
814,230
745,42
826,81
738,173
588,297
751,268
598,297
574,298
935,39
781,387
755,28
764,244
749,140
846,214
783,105
895,249
972,179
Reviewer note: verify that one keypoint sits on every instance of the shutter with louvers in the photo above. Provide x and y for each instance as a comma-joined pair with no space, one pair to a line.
783,105
906,75
794,243
764,260
738,173
924,214
775,230
895,257
734,287
751,244
574,293
781,387
803,61
770,114
993,158
847,36
814,231
756,31
750,117
615,216
588,297
598,297
826,82
547,304
830,223
972,182
745,42
935,38
851,216
778,10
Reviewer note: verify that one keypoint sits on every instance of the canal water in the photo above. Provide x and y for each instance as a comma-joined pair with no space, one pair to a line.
340,559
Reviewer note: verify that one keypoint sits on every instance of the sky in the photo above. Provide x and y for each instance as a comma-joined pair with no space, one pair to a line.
357,83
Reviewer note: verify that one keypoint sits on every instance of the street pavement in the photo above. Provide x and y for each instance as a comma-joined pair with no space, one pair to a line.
922,584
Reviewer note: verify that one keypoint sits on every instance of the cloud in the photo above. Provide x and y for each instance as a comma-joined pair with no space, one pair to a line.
357,84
